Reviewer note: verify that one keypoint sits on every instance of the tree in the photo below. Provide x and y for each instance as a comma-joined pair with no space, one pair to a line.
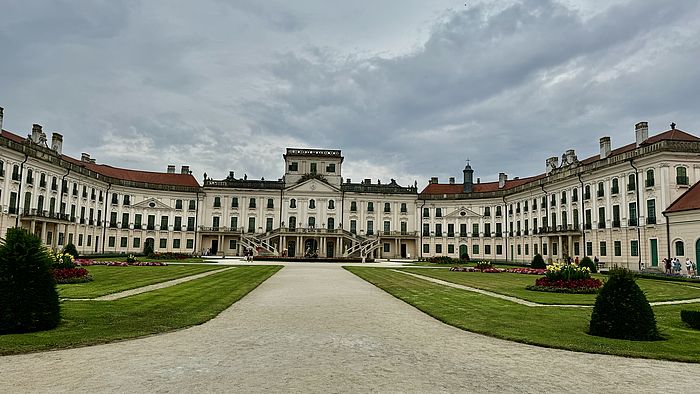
538,262
28,296
622,311
587,262
71,250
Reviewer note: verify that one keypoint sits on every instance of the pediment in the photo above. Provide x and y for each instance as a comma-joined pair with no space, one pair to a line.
313,186
462,212
152,203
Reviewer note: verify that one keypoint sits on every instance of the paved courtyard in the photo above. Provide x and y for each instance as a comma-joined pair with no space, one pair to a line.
318,328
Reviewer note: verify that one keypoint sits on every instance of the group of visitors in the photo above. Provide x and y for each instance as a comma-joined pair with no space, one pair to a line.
248,254
672,266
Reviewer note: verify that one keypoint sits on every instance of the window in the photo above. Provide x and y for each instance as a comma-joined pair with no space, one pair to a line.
163,243
123,242
370,227
450,230
498,211
601,190
353,206
115,199
404,228
125,221
190,243
387,247
176,243
438,248
603,248
268,224
164,222
292,223
313,168
251,204
631,182
587,220
487,211
438,230
475,229
634,248
387,226
234,223
589,248
331,224
577,249
587,192
450,248
527,249
601,217
234,202
632,221
438,212
80,239
426,212
192,205
251,224
681,176
137,221
127,199
232,244
331,204
426,230
615,189
215,223
190,223
680,250
353,226
426,248
475,249
499,249
294,166
178,223
403,207
178,204
30,177
330,167
292,203
387,207
651,211
574,195
650,178
113,220
519,249
616,216
370,207
15,173
617,245
217,202
270,203
553,200
111,241
312,204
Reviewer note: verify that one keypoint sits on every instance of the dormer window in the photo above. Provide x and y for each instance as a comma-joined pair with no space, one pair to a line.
330,167
313,168
294,166
292,203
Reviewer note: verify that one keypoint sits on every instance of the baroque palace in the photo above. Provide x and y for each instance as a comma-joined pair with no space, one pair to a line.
630,206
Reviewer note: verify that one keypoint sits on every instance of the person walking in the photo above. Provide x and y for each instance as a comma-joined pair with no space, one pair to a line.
667,265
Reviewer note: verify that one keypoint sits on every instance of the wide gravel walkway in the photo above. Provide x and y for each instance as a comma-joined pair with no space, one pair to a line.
318,328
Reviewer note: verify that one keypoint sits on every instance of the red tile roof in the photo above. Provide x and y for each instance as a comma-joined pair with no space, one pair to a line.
687,201
158,178
669,135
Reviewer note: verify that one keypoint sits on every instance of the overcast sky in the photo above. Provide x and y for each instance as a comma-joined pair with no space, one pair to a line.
407,89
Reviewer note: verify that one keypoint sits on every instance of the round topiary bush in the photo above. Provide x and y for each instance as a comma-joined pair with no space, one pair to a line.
538,262
71,250
622,311
28,296
587,262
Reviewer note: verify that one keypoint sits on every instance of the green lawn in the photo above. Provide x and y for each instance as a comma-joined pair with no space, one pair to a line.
563,328
93,322
142,258
110,280
514,285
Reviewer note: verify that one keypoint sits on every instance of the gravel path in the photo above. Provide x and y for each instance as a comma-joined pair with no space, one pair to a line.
318,328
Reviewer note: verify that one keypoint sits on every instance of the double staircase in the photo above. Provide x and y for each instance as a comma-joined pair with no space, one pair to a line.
259,244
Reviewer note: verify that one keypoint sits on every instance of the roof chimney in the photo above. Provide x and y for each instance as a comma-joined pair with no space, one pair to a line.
604,147
1,116
57,143
641,131
434,180
185,170
36,133
478,180
85,157
452,180
502,178
171,169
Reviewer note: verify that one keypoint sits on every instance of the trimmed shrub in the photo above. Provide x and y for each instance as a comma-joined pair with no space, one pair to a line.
587,262
538,262
28,296
71,250
622,311
464,256
691,318
442,260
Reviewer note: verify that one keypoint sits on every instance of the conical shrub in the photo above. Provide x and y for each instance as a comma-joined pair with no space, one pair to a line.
622,311
28,296
538,262
587,262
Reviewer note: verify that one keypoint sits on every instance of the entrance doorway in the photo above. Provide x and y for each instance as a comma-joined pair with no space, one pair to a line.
311,248
214,247
654,252
463,252
403,251
291,248
150,245
330,249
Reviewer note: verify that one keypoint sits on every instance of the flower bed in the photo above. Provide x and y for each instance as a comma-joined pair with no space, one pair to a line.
525,271
568,278
87,263
71,275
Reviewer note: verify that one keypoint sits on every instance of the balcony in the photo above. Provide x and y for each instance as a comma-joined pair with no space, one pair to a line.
151,227
426,233
682,180
464,235
499,234
437,233
451,234
632,222
651,220
42,214
601,224
616,224
487,234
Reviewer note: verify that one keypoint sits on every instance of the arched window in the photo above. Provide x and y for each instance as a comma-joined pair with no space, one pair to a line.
312,204
331,223
292,203
426,212
331,204
387,207
438,212
631,182
681,176
370,207
40,204
30,177
217,202
312,222
615,186
251,204
650,178
601,190
292,222
680,250
587,192
353,206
